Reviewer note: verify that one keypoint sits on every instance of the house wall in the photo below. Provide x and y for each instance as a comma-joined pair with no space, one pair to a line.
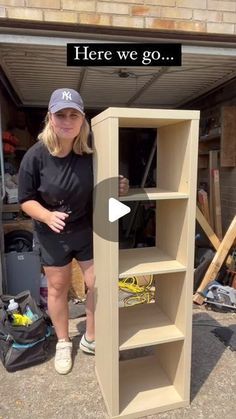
209,16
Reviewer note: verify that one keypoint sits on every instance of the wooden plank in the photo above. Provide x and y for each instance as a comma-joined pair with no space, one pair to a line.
213,164
203,202
202,161
207,229
217,203
228,137
217,261
19,224
77,288
11,208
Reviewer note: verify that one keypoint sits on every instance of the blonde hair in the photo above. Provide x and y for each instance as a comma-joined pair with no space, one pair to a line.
50,140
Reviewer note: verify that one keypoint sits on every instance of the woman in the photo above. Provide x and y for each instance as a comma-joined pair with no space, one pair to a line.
55,189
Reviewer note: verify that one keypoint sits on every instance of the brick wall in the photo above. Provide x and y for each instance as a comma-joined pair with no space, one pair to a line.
211,16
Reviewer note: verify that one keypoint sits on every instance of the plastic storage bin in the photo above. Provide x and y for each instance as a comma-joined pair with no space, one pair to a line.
23,271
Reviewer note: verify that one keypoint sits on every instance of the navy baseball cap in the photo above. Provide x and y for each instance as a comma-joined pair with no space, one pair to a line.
65,98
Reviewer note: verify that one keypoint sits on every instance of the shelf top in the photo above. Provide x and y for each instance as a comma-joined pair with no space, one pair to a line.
148,118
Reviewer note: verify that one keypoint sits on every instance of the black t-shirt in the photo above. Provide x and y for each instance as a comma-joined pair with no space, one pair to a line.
57,183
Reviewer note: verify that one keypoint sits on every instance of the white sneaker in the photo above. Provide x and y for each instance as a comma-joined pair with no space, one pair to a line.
87,346
63,358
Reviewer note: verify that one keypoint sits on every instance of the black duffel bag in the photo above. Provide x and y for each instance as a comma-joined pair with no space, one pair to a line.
23,346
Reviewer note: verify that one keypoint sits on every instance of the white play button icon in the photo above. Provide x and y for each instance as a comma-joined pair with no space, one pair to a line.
117,210
107,209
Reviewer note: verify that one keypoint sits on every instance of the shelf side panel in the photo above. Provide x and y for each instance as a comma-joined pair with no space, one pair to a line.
173,358
179,368
193,144
106,265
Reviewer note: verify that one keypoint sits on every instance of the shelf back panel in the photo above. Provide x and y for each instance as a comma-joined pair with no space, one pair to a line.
173,157
170,295
172,228
145,388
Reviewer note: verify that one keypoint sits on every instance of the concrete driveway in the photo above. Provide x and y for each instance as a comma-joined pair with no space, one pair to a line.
39,392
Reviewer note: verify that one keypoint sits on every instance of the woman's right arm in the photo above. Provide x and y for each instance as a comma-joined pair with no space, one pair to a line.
54,219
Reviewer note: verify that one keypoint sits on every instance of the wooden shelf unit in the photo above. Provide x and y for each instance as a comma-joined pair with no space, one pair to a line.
159,381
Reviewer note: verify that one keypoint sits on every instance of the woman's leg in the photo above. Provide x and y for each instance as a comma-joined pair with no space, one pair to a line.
89,278
58,286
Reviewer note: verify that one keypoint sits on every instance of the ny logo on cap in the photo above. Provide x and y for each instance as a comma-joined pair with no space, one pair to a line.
66,95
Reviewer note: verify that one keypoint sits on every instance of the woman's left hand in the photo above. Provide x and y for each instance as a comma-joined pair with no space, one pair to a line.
123,185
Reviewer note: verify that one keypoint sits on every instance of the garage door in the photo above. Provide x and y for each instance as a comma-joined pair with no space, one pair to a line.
36,65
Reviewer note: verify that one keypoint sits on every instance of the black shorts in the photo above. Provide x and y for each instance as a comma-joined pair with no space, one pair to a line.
58,249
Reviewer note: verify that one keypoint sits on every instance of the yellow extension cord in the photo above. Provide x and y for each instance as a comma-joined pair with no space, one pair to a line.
140,293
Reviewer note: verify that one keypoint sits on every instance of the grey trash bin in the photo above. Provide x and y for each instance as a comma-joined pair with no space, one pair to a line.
23,271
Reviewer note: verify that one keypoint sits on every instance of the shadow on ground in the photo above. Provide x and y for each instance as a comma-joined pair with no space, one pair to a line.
205,352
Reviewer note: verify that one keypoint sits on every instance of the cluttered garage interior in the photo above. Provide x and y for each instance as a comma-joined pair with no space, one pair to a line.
31,67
